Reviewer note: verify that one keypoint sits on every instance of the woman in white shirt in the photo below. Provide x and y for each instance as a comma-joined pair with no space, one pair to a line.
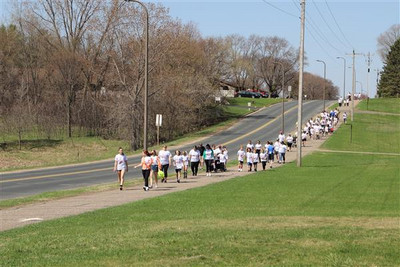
282,153
263,157
121,167
258,147
194,157
241,154
178,164
249,157
165,159
255,159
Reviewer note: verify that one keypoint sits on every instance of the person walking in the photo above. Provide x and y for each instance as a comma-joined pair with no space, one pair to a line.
155,166
250,145
289,141
263,157
165,158
146,167
120,167
249,157
255,159
344,117
270,151
241,154
201,150
194,158
276,149
208,156
178,164
185,164
282,153
258,147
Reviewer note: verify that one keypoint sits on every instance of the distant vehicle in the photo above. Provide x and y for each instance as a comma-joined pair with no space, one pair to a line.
248,94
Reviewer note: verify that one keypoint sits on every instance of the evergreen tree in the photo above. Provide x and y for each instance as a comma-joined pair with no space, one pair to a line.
389,85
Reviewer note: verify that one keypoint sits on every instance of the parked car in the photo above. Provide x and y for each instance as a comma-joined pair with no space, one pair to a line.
248,94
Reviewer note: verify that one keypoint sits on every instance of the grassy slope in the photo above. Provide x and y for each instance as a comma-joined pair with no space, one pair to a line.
337,210
390,105
371,133
44,153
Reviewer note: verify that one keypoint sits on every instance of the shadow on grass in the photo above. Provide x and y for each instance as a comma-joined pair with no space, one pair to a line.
29,144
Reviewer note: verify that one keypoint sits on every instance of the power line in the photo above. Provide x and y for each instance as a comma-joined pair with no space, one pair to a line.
284,11
319,33
337,24
327,24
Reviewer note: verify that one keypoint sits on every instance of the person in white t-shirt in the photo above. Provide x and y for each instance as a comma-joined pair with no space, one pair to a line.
241,154
258,147
165,159
120,166
255,160
178,164
194,158
185,164
249,145
289,141
282,153
281,137
263,157
276,149
225,151
303,138
222,161
344,117
249,157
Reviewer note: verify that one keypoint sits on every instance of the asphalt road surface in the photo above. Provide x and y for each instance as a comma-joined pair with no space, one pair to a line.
262,125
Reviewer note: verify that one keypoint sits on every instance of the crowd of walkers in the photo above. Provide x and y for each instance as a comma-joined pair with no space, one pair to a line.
214,158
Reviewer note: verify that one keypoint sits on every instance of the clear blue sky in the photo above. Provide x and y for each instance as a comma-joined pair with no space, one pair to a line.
360,21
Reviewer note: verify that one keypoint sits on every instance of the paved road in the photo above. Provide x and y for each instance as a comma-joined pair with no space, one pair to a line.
263,125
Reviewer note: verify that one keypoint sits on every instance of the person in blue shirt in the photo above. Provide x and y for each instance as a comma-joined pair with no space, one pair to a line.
270,151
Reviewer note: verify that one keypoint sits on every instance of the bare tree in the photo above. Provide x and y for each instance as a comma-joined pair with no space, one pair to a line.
387,39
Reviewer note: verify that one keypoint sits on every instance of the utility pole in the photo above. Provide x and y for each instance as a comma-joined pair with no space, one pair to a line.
301,70
369,68
354,82
146,73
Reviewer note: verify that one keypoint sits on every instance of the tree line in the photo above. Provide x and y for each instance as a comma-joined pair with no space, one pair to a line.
78,66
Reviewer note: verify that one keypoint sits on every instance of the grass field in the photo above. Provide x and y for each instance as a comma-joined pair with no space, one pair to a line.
390,105
339,209
370,133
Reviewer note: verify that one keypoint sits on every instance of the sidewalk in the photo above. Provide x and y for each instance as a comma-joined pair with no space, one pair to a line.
23,215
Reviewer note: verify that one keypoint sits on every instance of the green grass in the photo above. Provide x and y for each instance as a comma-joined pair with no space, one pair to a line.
47,196
255,102
334,211
337,210
389,105
371,133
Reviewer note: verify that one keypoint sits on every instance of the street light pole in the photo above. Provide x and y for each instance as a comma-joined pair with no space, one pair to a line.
344,77
146,72
324,80
361,86
283,95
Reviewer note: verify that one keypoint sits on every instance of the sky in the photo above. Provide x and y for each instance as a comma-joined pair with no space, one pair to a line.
333,28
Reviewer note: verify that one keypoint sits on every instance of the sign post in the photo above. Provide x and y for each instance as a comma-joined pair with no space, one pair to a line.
158,124
289,90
